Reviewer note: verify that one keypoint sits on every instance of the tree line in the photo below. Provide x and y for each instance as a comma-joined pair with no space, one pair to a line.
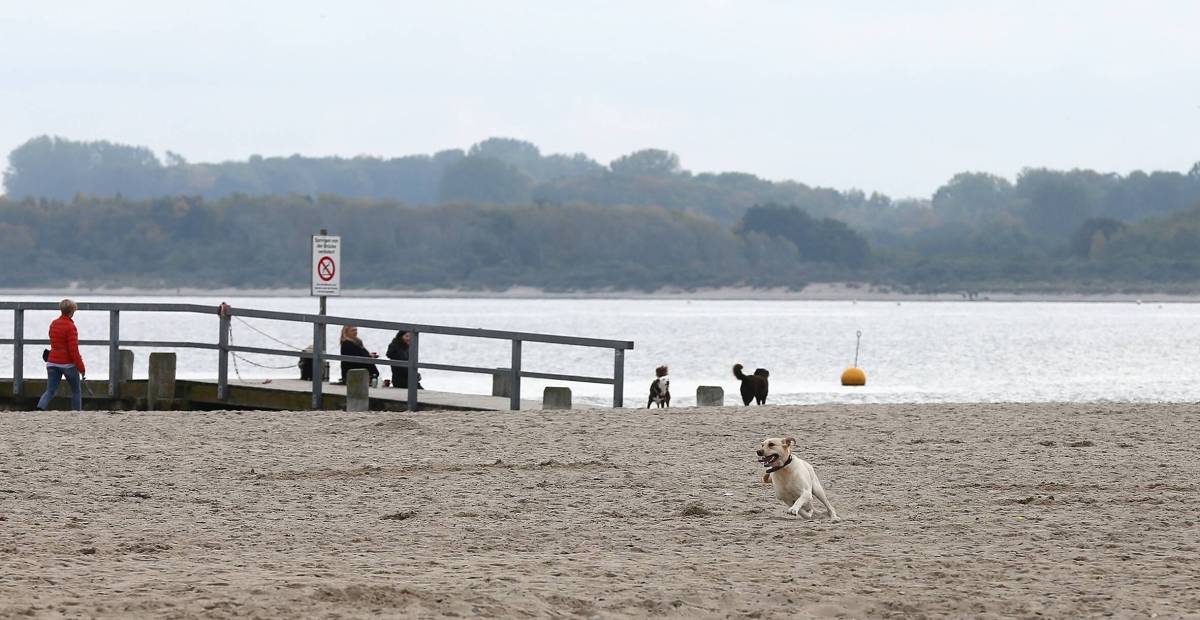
501,213
263,242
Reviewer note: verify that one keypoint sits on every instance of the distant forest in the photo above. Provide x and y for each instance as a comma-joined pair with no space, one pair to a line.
502,214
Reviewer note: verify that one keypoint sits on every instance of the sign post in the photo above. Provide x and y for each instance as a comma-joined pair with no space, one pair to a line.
326,266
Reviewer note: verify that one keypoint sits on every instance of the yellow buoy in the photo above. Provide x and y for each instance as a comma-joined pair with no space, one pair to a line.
855,375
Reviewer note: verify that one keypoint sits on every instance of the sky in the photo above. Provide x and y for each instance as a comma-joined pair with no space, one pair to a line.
885,96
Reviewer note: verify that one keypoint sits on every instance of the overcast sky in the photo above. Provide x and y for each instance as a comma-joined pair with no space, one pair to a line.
883,96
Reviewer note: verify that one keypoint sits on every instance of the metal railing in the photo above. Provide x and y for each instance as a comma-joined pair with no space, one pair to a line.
318,354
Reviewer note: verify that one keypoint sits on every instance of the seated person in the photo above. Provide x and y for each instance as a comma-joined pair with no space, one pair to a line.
306,364
351,345
398,350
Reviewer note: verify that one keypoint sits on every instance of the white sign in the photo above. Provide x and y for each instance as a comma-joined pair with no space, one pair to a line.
326,265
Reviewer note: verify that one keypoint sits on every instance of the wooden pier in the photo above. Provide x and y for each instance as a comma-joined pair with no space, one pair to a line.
264,395
164,391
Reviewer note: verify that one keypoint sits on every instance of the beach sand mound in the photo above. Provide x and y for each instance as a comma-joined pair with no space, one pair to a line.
950,510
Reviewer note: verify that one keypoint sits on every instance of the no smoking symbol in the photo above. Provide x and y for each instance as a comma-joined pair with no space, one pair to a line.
326,268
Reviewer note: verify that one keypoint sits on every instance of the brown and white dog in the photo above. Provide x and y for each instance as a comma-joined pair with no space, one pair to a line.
660,388
754,387
794,479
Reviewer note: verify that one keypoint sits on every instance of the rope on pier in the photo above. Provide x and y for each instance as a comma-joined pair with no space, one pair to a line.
247,324
236,356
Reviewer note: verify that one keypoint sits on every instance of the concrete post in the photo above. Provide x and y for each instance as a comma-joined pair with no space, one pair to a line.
556,398
160,389
710,396
125,365
358,390
501,383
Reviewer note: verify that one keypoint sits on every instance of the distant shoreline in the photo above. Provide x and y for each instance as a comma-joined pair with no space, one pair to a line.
812,292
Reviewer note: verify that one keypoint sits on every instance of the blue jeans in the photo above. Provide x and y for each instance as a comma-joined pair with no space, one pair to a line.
54,375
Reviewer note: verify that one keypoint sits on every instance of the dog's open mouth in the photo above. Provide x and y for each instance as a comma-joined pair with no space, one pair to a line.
768,459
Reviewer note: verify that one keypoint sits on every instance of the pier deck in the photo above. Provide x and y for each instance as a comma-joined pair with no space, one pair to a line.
275,395
119,392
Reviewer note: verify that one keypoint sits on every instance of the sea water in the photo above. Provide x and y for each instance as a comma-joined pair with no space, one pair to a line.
911,351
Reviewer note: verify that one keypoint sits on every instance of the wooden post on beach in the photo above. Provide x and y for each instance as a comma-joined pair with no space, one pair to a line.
710,396
124,365
160,386
501,385
358,390
556,398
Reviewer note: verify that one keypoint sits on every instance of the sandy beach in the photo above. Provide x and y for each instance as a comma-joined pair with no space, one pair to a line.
979,511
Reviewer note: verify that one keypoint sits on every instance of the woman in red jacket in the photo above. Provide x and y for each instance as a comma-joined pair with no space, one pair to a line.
64,360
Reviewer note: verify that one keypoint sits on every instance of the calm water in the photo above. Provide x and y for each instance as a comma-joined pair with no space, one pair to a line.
911,352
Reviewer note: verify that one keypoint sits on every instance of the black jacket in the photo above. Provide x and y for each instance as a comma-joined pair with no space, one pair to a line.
397,350
350,347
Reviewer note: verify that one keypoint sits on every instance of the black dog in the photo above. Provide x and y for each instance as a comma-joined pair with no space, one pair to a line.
660,389
754,387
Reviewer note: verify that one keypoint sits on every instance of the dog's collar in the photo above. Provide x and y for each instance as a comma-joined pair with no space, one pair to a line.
771,470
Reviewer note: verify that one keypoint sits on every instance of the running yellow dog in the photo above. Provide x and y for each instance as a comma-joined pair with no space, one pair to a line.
794,479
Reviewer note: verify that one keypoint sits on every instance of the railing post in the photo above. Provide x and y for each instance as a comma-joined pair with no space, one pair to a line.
318,360
514,377
414,355
18,352
223,353
114,355
618,378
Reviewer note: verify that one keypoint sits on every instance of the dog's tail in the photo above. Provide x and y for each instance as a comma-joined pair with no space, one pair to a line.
737,372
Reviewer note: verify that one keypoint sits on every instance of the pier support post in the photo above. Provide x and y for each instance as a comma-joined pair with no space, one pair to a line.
223,353
160,388
618,378
710,396
514,377
414,355
18,352
319,366
556,398
114,361
358,390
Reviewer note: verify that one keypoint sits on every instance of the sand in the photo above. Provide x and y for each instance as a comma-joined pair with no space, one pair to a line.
957,510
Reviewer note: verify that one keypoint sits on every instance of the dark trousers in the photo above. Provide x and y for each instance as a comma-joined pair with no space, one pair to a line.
54,376
400,378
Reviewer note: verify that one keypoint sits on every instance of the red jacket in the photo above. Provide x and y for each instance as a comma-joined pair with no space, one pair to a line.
64,344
